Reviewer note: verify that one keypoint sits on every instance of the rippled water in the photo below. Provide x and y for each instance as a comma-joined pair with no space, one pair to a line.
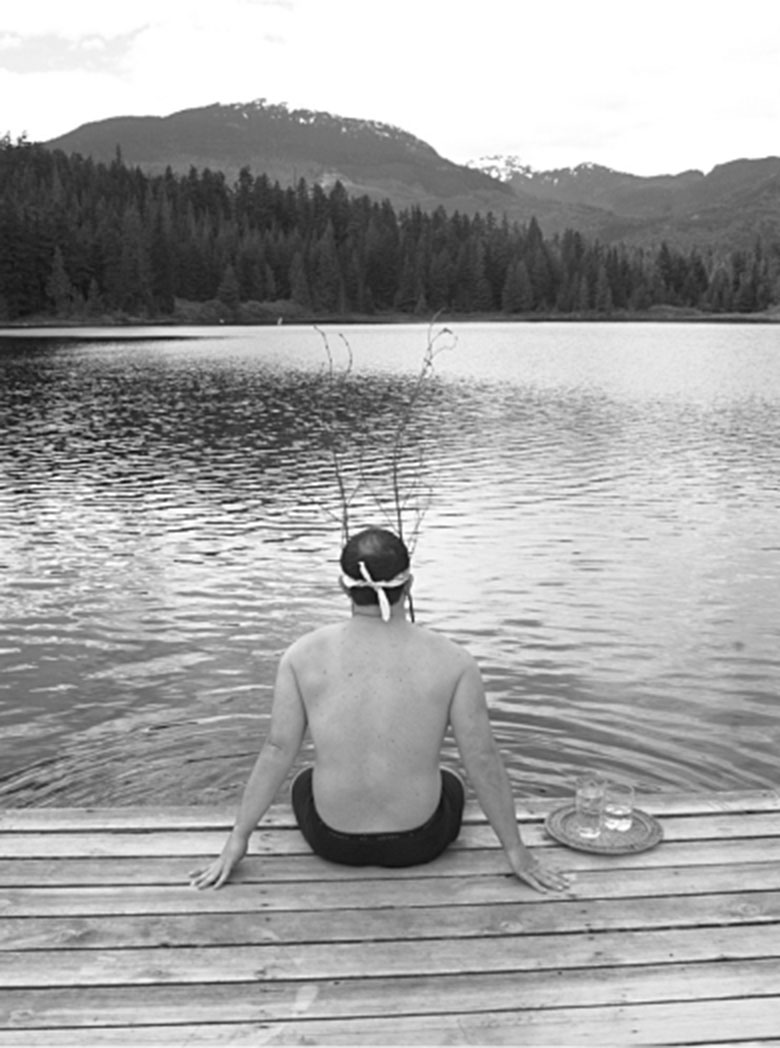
602,535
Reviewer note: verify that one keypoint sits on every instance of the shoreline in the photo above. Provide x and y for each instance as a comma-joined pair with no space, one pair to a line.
659,315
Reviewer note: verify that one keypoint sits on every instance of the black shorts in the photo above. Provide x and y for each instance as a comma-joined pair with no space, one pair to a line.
407,848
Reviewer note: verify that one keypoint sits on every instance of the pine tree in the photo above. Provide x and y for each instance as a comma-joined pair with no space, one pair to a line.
58,287
382,256
228,293
408,292
602,299
135,269
539,269
719,293
162,276
482,295
439,279
94,304
584,299
517,294
299,285
327,285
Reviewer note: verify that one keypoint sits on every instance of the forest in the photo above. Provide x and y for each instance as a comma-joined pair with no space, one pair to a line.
108,242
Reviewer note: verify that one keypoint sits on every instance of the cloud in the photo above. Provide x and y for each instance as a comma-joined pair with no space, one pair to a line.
78,18
675,85
49,52
89,61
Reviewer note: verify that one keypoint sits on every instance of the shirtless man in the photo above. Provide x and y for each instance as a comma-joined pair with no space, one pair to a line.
377,694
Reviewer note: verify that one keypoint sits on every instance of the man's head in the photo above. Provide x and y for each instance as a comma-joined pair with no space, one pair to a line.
383,557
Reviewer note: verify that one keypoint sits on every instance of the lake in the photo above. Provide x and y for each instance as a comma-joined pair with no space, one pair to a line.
596,518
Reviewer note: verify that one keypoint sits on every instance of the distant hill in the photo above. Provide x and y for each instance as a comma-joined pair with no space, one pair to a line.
596,186
368,157
732,204
727,208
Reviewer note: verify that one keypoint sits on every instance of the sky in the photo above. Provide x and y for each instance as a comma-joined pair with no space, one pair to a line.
645,87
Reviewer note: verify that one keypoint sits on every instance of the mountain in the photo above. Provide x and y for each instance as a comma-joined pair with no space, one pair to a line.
731,204
724,209
368,157
591,185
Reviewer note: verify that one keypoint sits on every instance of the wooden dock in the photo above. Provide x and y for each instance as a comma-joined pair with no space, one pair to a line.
102,941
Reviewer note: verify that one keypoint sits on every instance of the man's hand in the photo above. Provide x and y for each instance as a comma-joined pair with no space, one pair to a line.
540,877
215,875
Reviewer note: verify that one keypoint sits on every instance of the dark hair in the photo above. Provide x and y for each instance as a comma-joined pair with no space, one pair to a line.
383,554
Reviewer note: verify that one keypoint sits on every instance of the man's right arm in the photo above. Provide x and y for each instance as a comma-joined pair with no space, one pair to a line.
285,735
485,768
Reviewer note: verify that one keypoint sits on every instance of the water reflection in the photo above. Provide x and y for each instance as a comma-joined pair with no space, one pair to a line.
602,537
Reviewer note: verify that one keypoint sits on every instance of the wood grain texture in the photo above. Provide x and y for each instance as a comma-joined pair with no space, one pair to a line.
102,941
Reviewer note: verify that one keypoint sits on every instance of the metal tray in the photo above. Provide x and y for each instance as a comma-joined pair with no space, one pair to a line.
645,833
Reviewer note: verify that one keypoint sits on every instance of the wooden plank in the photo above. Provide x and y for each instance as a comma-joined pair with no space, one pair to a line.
701,802
165,819
40,968
256,870
252,928
420,995
685,1022
720,826
377,924
280,816
298,949
384,893
39,820
98,843
264,842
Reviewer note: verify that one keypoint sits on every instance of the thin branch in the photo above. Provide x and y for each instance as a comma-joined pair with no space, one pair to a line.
408,495
432,350
330,429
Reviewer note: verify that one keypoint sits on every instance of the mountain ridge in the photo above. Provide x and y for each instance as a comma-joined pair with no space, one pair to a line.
287,144
733,202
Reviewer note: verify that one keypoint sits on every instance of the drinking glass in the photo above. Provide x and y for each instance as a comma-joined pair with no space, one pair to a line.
589,802
618,806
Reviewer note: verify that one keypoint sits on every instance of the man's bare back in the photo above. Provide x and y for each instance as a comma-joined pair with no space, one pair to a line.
377,699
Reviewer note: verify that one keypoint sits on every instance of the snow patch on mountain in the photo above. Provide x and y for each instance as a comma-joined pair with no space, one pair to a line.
342,124
504,168
510,168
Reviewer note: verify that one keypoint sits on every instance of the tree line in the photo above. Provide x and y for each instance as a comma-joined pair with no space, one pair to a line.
85,239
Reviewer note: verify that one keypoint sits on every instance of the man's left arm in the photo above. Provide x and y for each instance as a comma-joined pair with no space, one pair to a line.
285,735
485,768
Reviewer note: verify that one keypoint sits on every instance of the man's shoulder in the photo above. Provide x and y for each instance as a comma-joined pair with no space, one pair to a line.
420,638
314,639
446,647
